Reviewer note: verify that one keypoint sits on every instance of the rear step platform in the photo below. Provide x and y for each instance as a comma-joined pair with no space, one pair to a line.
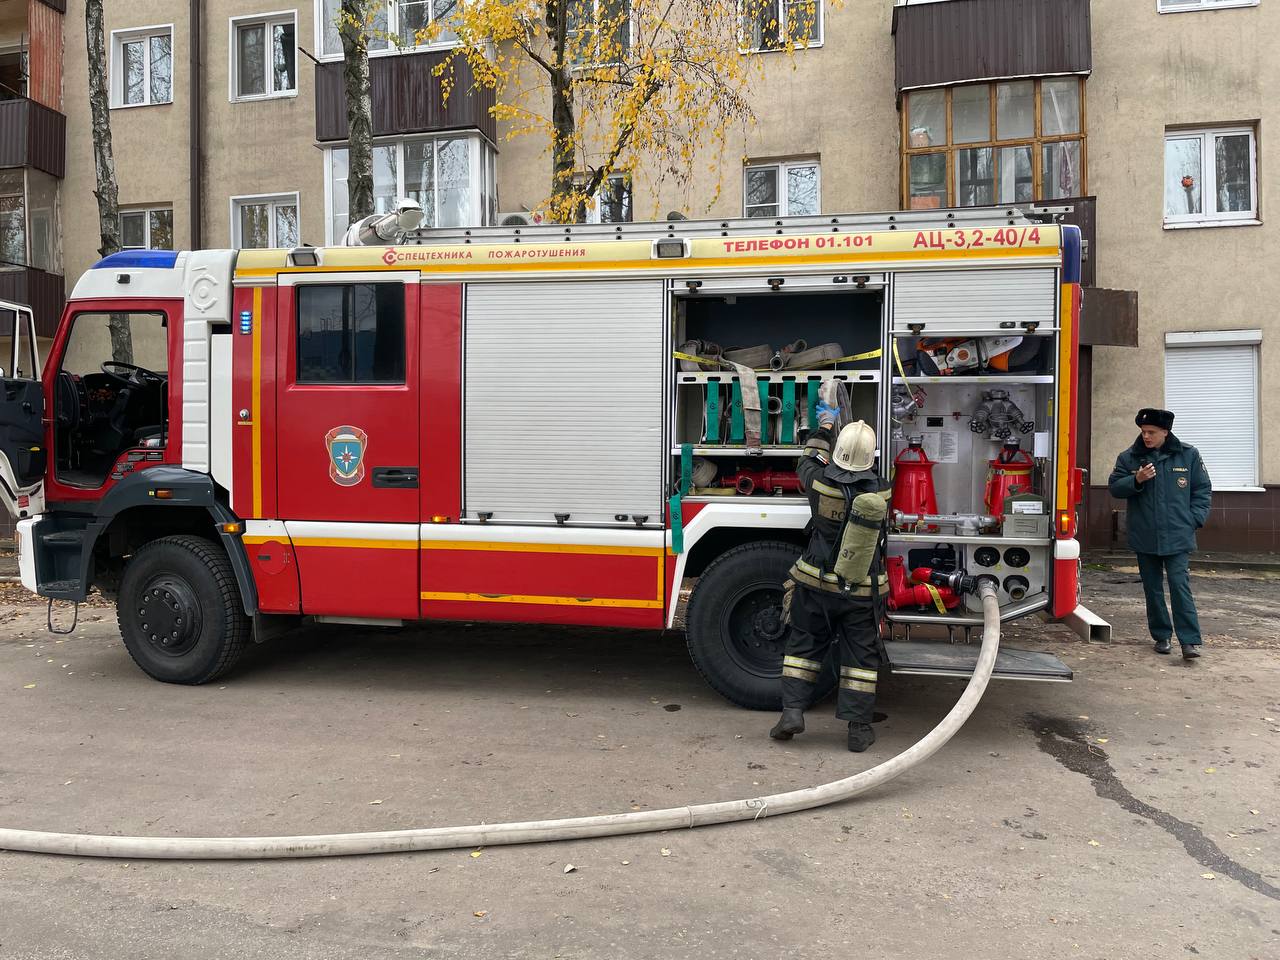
937,658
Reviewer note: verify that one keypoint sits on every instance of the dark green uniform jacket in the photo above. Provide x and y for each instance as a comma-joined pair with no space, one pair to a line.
824,484
1163,514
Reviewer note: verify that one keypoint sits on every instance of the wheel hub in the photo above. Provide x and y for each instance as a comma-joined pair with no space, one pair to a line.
753,629
169,615
768,625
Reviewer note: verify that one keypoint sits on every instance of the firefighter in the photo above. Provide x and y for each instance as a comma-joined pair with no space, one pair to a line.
837,585
1168,492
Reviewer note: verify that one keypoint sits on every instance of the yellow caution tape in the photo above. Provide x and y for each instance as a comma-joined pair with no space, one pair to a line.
852,358
898,358
937,597
692,359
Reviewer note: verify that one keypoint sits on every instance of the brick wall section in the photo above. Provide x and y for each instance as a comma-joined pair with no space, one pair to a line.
1238,522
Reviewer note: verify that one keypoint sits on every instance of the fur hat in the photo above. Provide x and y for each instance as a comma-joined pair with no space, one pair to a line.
1151,417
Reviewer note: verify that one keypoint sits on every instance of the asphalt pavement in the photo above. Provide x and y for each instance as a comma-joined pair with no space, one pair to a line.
1132,813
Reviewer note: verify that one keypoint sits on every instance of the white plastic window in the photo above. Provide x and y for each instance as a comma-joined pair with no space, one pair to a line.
142,66
612,201
264,222
1210,177
394,24
264,56
146,229
773,24
782,189
1178,6
452,177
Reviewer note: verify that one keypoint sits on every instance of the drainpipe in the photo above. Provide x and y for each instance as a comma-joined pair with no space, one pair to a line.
197,102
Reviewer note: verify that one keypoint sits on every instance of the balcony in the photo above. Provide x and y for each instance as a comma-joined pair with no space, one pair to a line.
406,98
43,292
938,44
32,135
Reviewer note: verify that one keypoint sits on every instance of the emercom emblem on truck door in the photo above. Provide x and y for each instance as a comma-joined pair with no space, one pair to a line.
347,446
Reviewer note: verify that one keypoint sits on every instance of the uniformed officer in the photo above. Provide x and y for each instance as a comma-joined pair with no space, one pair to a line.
837,583
1168,492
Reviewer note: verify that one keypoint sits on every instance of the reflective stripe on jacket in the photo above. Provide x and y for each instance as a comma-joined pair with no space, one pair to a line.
827,504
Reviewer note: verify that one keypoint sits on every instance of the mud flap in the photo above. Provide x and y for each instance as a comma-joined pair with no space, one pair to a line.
937,658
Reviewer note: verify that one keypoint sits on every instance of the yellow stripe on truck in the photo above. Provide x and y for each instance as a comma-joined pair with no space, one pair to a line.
544,601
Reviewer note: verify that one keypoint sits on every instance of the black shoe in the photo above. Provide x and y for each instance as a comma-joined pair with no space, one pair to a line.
791,723
861,736
1191,651
1162,646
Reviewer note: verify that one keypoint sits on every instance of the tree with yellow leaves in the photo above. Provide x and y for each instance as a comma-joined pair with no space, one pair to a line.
617,85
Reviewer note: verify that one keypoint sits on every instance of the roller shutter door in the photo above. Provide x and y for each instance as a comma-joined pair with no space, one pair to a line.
1213,393
564,400
957,301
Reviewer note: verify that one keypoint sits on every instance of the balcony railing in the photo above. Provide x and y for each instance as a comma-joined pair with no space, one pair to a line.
938,44
44,293
32,135
407,98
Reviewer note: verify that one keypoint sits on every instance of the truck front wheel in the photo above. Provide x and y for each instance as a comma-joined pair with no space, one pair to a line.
734,625
180,612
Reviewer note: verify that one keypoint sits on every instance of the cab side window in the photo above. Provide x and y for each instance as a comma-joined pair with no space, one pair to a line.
17,347
350,333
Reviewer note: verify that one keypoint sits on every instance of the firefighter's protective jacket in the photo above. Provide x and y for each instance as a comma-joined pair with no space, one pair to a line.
1164,513
824,484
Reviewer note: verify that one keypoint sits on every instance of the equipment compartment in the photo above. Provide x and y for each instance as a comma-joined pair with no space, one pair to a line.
793,342
972,457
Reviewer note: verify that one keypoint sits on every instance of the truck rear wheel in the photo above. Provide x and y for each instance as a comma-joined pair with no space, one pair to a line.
180,612
734,625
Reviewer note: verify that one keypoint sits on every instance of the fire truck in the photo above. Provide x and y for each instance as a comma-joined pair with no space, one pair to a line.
551,425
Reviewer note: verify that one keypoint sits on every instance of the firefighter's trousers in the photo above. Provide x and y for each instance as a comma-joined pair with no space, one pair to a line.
818,620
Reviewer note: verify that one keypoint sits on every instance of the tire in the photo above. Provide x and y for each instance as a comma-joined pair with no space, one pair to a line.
734,629
180,612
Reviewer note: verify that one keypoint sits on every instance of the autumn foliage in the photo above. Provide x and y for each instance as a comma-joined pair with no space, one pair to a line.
615,86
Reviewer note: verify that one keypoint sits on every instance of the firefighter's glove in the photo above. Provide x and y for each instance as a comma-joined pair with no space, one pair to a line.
827,414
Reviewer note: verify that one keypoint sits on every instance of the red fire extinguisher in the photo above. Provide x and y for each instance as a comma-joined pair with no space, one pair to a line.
913,482
1007,474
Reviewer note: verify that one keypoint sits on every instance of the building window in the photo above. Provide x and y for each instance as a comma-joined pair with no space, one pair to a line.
146,229
992,143
452,177
264,56
142,66
395,25
264,222
790,189
598,31
1178,6
13,218
777,24
351,333
15,68
1211,383
612,202
1210,177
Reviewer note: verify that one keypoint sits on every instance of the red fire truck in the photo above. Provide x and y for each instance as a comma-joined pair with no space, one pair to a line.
546,425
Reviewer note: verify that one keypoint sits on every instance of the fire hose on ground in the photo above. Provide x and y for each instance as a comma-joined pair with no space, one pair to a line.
536,831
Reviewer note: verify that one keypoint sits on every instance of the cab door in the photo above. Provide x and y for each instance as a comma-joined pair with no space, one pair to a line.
347,440
22,453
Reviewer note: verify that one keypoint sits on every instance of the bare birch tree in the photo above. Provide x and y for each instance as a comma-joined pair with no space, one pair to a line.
354,20
107,191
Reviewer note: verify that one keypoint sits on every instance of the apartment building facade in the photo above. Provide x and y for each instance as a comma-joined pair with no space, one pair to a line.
1148,116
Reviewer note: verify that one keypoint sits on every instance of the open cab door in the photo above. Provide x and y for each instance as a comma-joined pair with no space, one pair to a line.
22,452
